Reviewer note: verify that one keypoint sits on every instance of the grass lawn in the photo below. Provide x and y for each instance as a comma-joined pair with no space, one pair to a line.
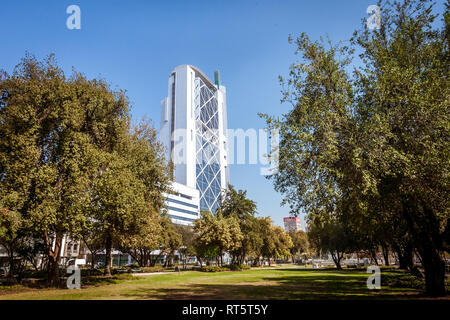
279,283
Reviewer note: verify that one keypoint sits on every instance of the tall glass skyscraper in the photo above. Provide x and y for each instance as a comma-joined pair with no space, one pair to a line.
193,129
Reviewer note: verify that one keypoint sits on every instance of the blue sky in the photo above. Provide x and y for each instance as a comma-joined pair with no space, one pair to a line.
135,44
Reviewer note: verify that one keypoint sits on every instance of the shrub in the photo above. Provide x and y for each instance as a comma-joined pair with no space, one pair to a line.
31,273
212,269
238,267
402,280
91,272
101,280
152,269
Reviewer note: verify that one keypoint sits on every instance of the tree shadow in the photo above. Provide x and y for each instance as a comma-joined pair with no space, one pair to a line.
344,285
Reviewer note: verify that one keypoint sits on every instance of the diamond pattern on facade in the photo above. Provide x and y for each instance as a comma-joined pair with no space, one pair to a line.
207,146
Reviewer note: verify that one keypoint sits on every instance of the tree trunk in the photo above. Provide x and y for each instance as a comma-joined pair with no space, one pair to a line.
11,266
385,255
108,247
337,260
93,260
405,257
147,257
403,261
434,274
373,256
200,261
425,232
53,259
53,276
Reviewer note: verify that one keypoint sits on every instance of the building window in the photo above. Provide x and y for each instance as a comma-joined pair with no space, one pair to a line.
184,196
181,218
182,210
182,203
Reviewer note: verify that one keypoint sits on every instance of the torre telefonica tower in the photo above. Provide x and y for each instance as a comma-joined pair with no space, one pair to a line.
193,130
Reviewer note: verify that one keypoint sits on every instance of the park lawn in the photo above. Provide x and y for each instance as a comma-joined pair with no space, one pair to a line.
279,283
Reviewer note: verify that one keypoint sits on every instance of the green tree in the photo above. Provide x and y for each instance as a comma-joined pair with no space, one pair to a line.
11,236
187,242
236,204
328,234
217,234
171,240
51,126
300,244
373,147
274,242
403,106
70,162
117,205
144,157
283,242
146,238
94,243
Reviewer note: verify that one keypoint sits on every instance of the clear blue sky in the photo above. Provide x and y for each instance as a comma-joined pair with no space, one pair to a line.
134,45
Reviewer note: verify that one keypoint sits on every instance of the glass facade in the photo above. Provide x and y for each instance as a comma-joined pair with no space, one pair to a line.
207,146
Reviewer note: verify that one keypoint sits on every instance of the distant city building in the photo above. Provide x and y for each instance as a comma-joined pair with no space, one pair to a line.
193,130
292,224
183,204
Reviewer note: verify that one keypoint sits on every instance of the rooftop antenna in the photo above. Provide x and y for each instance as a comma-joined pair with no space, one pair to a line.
217,78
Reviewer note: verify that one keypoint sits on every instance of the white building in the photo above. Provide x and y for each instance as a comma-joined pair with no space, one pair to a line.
183,204
292,224
193,129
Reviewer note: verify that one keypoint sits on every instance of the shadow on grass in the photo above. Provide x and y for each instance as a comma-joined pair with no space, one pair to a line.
313,284
89,281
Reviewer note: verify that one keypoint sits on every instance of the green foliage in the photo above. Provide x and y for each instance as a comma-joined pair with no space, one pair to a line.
238,267
71,163
236,204
275,241
402,280
91,272
10,224
153,269
300,243
212,269
187,247
171,240
101,280
369,150
216,234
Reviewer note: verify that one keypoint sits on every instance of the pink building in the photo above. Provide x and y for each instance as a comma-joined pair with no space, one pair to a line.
292,224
